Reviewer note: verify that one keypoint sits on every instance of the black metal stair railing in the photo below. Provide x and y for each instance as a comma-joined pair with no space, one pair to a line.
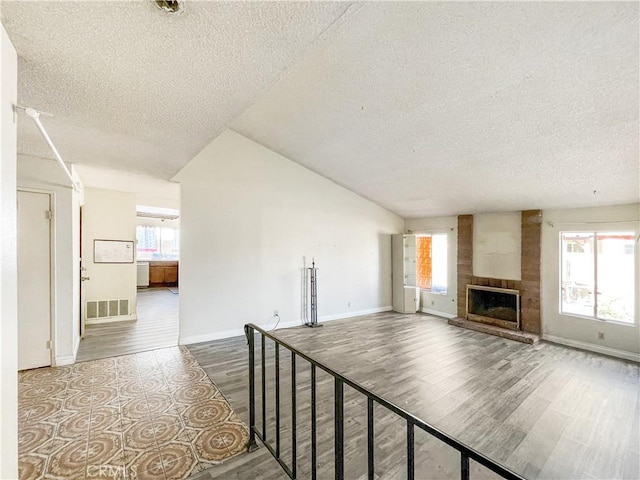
340,380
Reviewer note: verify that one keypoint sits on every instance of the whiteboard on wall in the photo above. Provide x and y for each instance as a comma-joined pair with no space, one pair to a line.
113,251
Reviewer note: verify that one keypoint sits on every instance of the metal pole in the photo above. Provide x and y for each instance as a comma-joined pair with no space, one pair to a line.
252,389
313,280
314,452
35,116
339,430
314,296
277,400
294,437
370,451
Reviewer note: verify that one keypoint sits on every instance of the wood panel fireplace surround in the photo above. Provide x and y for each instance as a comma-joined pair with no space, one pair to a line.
506,308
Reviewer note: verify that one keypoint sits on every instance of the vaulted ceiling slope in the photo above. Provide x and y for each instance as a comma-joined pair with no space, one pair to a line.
443,108
425,108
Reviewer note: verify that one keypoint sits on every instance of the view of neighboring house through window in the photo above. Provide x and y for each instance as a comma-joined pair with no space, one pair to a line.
431,262
598,275
154,239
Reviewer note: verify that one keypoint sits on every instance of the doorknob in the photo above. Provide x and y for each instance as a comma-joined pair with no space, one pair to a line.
85,278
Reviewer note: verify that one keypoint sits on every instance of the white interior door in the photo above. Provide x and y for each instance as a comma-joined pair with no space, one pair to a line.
34,280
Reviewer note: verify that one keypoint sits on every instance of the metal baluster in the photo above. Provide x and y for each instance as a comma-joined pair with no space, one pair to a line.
313,424
370,463
464,466
277,400
339,430
339,381
410,451
293,415
264,395
252,390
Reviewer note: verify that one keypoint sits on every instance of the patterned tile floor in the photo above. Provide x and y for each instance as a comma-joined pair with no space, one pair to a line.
149,415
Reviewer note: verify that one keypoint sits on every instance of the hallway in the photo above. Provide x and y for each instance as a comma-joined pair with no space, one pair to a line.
156,327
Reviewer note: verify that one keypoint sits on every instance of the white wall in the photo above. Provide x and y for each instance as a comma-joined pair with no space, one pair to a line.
438,304
108,215
620,340
149,190
8,262
248,218
497,245
46,175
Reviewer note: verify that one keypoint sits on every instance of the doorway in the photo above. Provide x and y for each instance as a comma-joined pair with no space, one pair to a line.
34,279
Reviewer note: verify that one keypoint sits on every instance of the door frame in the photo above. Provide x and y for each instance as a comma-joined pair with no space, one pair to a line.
52,266
81,310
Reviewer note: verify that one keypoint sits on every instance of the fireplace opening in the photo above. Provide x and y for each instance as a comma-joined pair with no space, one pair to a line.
497,306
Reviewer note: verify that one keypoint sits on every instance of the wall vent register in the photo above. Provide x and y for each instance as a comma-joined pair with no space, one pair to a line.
107,309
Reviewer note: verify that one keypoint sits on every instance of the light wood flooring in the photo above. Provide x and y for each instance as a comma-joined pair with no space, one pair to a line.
544,411
156,327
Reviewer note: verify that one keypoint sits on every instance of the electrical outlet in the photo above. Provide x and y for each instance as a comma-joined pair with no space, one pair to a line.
275,312
600,335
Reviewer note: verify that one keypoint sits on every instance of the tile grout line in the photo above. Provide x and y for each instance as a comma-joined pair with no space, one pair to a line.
87,373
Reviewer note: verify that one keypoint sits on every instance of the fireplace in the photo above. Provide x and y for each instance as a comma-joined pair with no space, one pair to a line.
495,306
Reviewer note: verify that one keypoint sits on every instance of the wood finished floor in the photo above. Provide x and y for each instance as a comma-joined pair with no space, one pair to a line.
545,411
156,327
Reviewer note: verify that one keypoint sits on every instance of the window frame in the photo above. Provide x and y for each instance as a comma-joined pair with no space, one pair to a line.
636,273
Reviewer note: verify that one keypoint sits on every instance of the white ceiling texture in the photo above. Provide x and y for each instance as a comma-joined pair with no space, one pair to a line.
425,108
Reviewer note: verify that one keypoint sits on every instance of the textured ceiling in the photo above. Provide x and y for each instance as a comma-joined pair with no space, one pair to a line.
425,108
134,88
443,108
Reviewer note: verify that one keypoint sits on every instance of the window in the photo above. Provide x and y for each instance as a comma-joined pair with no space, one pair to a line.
431,262
157,243
598,275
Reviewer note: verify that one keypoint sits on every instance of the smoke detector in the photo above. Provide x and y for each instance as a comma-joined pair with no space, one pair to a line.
171,7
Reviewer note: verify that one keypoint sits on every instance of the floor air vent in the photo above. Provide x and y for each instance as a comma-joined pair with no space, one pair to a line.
107,309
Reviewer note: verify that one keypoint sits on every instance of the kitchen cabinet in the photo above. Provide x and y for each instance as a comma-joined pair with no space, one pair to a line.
163,273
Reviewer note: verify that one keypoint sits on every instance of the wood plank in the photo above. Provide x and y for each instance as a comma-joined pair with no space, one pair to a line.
543,410
156,327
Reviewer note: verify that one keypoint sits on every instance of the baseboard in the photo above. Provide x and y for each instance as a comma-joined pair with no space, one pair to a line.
369,311
612,352
438,313
237,332
208,337
64,360
124,318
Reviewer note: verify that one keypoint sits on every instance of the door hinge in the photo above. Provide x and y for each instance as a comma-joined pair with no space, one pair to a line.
49,344
48,214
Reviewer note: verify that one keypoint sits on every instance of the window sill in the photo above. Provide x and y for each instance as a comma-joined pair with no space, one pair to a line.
444,294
